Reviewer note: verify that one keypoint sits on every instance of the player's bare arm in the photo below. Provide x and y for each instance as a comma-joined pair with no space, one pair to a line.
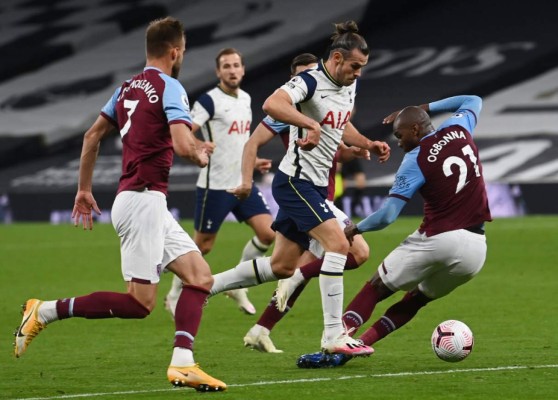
279,107
353,137
348,153
200,143
84,202
184,144
259,137
263,165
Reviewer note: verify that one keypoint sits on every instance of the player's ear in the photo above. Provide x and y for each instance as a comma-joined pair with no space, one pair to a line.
416,129
337,56
174,53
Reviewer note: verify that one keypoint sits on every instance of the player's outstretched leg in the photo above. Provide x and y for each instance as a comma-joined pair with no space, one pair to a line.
253,249
30,327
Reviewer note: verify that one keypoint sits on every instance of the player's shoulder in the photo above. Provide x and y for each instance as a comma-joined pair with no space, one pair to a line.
170,82
213,92
410,158
244,95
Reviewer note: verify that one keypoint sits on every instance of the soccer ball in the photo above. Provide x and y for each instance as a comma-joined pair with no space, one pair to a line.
452,341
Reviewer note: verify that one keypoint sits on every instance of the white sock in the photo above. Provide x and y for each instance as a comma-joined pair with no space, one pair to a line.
256,330
246,274
182,357
176,288
47,312
253,249
331,288
297,278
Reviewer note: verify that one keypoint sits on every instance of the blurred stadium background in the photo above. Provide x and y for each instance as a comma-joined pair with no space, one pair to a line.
62,59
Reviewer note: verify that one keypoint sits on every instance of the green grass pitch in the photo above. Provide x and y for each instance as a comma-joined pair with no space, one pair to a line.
511,306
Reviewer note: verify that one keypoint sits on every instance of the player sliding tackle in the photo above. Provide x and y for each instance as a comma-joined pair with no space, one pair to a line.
449,247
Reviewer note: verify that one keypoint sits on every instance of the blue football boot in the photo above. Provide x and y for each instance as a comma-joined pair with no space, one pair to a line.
322,360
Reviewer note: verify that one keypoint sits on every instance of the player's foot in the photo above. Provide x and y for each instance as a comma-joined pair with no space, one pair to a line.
240,296
322,360
29,328
285,288
261,342
170,304
195,378
345,344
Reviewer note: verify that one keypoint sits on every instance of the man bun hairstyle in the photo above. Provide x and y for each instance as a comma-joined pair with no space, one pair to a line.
303,59
346,38
161,35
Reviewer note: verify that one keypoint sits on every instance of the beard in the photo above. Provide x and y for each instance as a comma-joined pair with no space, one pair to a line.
232,85
175,71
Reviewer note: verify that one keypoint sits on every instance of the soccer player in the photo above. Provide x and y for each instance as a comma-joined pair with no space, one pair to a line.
151,112
258,337
324,99
449,247
224,116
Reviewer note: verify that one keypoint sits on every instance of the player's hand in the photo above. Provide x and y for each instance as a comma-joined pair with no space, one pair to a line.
351,231
382,150
242,191
263,165
391,117
361,153
209,147
202,158
312,138
84,205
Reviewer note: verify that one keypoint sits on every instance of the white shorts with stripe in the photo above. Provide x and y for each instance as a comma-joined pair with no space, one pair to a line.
436,264
150,238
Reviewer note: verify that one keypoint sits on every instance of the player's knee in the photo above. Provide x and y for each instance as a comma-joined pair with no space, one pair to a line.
282,271
139,309
381,289
144,313
338,247
360,252
205,247
267,237
205,281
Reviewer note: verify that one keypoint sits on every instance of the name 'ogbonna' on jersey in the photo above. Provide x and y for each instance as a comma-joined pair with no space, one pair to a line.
439,145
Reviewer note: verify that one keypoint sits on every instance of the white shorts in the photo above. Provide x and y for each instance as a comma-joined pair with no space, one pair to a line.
436,264
150,238
315,247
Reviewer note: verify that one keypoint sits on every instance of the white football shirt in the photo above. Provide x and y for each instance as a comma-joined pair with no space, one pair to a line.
225,120
317,95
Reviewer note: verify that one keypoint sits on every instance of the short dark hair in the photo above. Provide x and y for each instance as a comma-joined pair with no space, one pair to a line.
345,39
302,59
225,52
161,35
